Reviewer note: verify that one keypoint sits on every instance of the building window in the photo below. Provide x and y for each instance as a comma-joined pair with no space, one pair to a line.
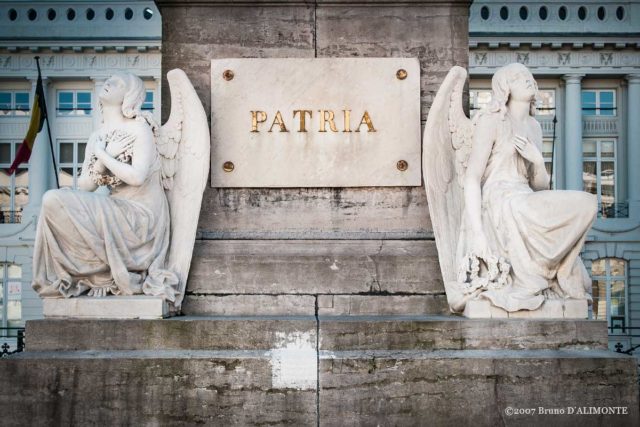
599,175
70,158
74,103
147,105
546,102
548,152
478,99
14,189
609,279
11,295
599,102
14,103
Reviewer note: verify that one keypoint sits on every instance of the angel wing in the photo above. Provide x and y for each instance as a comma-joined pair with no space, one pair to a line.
448,136
184,146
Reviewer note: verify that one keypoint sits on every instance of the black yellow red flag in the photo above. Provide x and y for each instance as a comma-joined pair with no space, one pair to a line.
38,115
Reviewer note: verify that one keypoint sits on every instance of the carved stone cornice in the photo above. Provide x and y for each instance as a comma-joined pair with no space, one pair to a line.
95,65
548,61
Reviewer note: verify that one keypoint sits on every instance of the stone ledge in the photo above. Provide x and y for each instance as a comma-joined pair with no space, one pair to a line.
336,333
400,389
111,307
226,333
314,267
296,305
550,309
355,388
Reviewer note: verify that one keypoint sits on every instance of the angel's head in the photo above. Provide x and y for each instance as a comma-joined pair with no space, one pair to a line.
513,82
125,89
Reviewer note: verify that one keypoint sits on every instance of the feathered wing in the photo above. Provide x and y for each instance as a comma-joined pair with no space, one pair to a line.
447,142
184,146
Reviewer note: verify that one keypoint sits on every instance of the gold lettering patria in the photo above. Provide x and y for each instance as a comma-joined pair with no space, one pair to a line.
256,118
326,118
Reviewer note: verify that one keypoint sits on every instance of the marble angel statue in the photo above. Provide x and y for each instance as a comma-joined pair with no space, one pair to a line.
501,234
139,238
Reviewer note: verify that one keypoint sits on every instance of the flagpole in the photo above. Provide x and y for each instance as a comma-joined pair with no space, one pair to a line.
46,118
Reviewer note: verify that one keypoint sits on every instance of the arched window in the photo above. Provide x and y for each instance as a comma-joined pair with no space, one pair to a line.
609,291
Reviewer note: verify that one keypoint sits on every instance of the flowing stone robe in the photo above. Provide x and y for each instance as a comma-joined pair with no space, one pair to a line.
540,233
86,240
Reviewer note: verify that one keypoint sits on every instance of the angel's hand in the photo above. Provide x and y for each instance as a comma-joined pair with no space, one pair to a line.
119,146
98,146
528,150
480,246
99,167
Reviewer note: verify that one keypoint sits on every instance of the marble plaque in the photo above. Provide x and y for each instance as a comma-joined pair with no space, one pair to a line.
315,122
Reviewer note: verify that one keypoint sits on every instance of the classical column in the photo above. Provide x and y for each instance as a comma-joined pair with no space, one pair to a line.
98,83
633,145
573,132
156,98
40,164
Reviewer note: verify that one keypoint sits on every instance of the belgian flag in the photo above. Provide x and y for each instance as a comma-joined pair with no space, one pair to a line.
38,115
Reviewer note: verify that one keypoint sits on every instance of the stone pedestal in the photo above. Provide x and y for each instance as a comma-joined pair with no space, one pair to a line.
366,250
550,309
308,371
112,307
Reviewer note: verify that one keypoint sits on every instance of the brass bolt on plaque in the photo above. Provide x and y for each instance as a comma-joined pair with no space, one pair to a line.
228,166
402,165
227,75
401,74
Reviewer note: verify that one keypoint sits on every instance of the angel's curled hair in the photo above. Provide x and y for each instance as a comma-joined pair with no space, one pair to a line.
501,91
134,98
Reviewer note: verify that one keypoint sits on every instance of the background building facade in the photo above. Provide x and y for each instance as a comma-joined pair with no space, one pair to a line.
585,57
80,44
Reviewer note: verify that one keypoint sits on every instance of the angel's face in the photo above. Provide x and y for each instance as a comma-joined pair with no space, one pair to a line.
522,87
113,91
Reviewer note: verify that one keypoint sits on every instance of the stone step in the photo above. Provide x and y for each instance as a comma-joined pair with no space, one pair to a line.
305,305
277,267
296,387
478,388
336,333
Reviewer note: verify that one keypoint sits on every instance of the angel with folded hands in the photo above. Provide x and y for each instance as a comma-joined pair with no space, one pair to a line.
502,235
135,240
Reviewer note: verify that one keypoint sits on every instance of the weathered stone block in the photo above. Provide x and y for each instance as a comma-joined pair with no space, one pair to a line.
315,266
249,305
457,333
181,333
445,388
112,307
196,32
389,370
315,213
153,388
550,309
359,305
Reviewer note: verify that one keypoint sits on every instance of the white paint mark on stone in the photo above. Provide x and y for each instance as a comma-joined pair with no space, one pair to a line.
293,361
334,266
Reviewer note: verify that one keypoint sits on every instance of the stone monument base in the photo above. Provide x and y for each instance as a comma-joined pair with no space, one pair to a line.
550,309
310,370
112,307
